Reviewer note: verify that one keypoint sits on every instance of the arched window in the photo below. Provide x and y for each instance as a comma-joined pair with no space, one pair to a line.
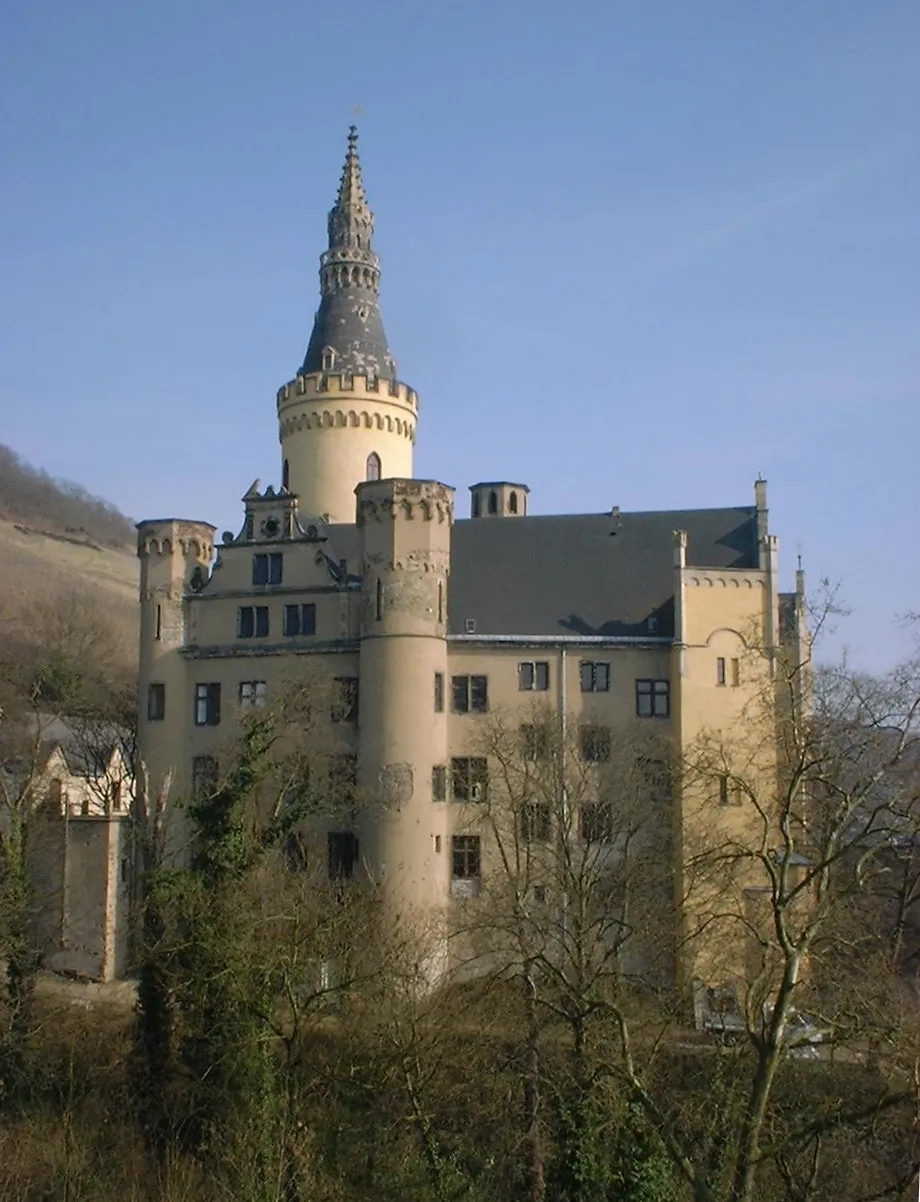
493,501
373,466
512,503
286,475
477,505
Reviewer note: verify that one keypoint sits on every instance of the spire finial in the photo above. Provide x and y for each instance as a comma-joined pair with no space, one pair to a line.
351,223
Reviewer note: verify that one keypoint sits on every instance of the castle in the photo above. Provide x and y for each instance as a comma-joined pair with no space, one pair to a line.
430,621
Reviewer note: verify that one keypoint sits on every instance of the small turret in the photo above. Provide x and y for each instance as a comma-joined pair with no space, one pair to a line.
498,499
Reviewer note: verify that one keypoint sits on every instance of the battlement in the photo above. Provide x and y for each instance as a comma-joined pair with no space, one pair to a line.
410,500
163,536
327,386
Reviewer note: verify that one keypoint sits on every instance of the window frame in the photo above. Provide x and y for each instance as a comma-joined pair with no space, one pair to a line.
536,744
256,696
466,858
207,703
469,694
536,670
342,855
439,782
535,822
594,675
345,705
301,610
658,690
467,774
439,692
595,743
156,701
595,822
252,622
721,674
267,568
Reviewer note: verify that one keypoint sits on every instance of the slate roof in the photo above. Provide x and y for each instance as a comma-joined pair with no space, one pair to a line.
569,575
349,322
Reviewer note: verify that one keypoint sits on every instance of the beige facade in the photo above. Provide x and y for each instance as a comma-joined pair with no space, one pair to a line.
438,628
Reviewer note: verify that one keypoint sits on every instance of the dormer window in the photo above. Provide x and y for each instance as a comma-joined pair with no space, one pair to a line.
372,467
328,358
286,475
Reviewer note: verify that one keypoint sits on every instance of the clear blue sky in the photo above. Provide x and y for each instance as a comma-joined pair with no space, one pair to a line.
634,253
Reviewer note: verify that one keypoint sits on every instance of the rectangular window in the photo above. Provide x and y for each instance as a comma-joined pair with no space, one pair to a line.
299,620
439,692
252,622
595,676
252,694
655,779
730,792
204,776
595,744
720,670
156,702
207,704
466,862
268,569
535,743
343,855
439,783
469,778
470,694
533,676
736,673
653,698
345,706
536,823
343,771
596,825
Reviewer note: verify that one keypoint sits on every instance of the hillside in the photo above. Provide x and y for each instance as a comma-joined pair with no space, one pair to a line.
56,539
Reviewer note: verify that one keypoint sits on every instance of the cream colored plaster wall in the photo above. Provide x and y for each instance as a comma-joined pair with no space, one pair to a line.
722,729
327,436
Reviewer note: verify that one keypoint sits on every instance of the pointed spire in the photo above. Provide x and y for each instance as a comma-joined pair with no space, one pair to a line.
347,331
351,223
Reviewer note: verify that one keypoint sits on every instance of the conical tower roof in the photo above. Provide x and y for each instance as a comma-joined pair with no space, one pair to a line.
348,331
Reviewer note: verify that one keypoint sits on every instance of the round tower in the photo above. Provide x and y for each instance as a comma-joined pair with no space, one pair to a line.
346,417
174,555
406,527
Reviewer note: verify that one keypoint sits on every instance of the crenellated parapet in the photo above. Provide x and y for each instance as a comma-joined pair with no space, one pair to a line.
329,385
164,536
409,500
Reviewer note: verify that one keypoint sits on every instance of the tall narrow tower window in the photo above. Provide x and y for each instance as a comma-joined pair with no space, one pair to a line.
379,599
493,501
373,466
512,503
286,475
477,506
